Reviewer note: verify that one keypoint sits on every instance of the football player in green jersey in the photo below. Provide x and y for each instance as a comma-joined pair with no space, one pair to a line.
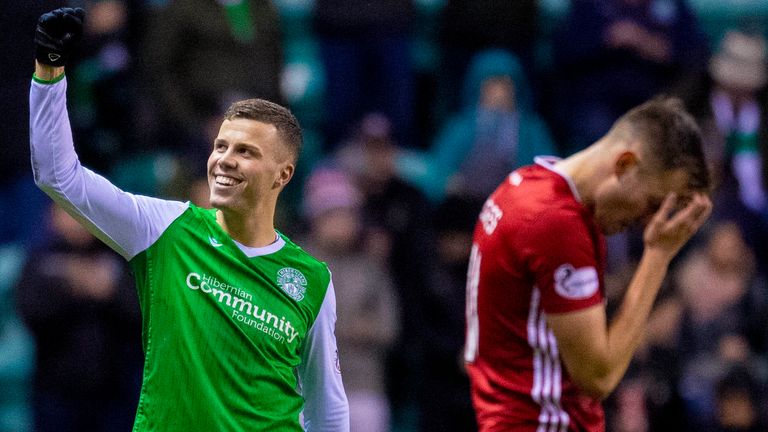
237,320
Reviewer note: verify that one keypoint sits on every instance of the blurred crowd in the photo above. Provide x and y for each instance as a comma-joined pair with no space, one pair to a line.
413,111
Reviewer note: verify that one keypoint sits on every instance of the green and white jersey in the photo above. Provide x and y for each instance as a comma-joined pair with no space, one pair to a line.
229,327
235,338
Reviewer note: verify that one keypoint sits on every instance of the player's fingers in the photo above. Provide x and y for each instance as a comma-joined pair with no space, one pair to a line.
698,208
706,203
72,21
662,214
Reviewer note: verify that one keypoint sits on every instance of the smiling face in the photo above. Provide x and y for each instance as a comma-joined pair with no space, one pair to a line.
248,167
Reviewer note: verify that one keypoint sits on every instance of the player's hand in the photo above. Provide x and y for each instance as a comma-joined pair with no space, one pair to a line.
669,230
57,33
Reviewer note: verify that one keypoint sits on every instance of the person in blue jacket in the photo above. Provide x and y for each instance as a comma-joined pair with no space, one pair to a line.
496,131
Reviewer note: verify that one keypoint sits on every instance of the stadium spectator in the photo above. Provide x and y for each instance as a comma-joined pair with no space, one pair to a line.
540,351
103,87
468,27
366,303
202,55
740,401
630,412
611,55
656,370
722,320
77,298
729,101
398,219
654,375
366,54
496,131
726,99
712,317
442,307
234,313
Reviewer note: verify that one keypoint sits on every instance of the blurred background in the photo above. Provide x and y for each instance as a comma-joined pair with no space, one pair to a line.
413,111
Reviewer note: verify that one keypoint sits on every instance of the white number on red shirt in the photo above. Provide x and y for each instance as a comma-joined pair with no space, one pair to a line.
490,216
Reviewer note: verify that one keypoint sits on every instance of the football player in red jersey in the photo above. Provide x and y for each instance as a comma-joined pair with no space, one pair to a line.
540,352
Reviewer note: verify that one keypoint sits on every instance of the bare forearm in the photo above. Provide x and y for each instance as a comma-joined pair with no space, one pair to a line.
597,357
626,331
664,235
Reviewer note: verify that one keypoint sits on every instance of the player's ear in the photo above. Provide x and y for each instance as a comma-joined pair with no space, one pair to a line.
625,161
284,175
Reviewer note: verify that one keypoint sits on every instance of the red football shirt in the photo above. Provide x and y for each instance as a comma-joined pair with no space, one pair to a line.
536,251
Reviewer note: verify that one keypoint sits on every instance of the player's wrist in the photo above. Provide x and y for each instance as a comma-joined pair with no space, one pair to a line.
46,74
660,257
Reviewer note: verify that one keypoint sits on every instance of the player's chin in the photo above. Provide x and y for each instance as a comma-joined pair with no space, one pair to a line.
220,202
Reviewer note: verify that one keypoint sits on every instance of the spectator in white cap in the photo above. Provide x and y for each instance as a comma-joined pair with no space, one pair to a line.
739,65
730,105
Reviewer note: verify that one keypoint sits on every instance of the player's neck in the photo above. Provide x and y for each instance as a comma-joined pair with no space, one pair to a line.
254,229
586,170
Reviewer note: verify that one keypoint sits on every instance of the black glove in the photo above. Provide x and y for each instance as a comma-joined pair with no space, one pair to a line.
58,31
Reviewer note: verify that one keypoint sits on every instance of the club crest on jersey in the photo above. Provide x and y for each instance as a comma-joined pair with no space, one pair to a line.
292,282
576,283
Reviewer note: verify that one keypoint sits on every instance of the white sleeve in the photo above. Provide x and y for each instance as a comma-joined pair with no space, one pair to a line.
325,403
126,222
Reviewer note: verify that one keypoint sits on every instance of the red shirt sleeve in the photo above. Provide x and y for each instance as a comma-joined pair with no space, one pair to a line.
562,256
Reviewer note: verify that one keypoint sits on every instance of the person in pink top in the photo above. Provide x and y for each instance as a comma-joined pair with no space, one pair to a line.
540,352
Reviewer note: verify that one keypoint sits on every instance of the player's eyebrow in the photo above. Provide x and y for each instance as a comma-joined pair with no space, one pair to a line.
253,148
238,143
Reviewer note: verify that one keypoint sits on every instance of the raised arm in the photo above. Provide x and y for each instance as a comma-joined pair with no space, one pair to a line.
127,223
596,354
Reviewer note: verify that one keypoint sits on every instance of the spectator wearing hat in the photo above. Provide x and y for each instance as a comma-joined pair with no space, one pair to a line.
729,101
366,304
